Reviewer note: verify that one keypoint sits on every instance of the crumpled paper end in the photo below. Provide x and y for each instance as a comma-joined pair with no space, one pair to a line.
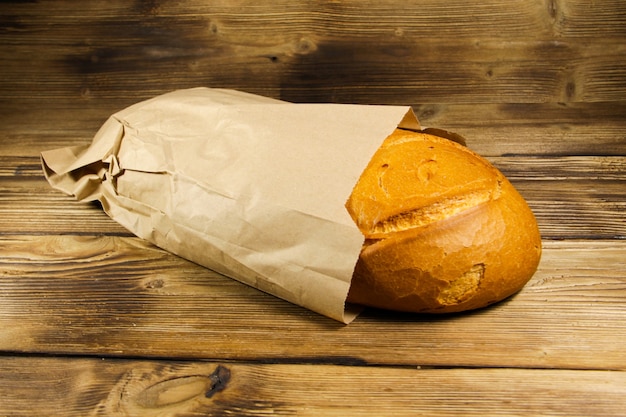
248,186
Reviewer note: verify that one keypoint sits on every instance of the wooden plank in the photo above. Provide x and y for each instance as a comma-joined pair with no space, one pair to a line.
577,197
122,297
576,18
577,209
545,129
562,168
105,387
29,205
526,19
331,70
522,52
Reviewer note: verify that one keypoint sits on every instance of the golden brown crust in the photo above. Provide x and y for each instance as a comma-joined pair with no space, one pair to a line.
445,230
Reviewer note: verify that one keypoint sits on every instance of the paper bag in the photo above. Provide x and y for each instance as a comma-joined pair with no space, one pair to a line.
251,187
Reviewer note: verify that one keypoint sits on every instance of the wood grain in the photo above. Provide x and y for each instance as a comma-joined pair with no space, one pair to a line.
363,52
96,322
117,296
105,387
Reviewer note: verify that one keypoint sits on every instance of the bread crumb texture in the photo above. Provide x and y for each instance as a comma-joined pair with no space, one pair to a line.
463,287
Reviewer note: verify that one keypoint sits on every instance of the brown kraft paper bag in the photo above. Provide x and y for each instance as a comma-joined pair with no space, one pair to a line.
248,186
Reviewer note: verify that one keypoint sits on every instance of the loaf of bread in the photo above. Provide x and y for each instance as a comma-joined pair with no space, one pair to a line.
444,230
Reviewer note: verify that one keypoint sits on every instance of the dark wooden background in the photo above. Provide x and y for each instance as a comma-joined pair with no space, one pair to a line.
94,321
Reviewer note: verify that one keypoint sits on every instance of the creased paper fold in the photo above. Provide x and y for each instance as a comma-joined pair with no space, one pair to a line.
251,187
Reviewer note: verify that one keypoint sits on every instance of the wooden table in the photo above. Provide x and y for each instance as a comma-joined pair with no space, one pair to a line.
94,321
